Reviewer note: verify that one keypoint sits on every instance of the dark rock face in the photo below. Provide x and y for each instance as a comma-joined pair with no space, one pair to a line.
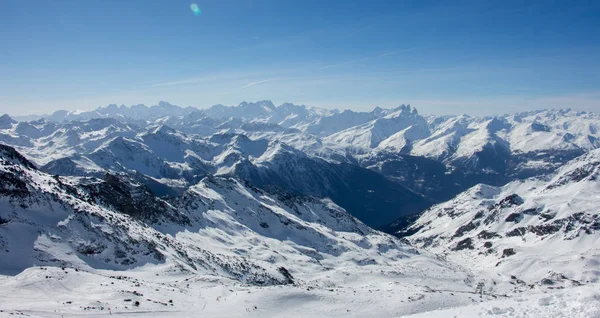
488,235
466,228
12,186
588,172
289,279
520,231
464,244
578,222
495,210
514,217
133,199
547,281
536,126
533,211
510,201
545,229
401,227
10,155
508,252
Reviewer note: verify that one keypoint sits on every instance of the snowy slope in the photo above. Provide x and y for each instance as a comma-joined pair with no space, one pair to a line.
100,224
541,231
132,252
108,246
114,223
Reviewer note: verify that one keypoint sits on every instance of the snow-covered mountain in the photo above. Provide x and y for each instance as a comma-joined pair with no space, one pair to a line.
81,245
6,122
213,227
158,154
157,205
424,159
538,231
396,130
134,112
518,143
220,231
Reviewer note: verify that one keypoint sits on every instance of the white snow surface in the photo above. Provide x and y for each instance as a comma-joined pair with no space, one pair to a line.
354,292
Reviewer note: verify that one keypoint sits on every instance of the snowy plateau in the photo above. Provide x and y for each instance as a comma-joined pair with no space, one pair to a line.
258,210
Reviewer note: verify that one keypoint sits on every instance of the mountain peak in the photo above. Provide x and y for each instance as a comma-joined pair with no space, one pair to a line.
262,103
291,106
403,111
6,121
9,154
110,107
164,104
162,129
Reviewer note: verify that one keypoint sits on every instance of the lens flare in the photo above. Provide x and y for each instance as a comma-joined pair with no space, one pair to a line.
195,9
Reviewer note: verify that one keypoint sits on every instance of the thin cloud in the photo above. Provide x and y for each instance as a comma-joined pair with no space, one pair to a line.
346,63
368,58
389,53
259,82
181,82
212,77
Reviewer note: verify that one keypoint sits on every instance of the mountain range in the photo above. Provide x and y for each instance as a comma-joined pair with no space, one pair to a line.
287,202
405,161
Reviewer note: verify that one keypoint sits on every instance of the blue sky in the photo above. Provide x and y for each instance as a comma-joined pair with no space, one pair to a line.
443,57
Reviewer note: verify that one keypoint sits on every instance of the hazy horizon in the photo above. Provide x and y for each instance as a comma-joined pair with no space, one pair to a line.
469,57
277,104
